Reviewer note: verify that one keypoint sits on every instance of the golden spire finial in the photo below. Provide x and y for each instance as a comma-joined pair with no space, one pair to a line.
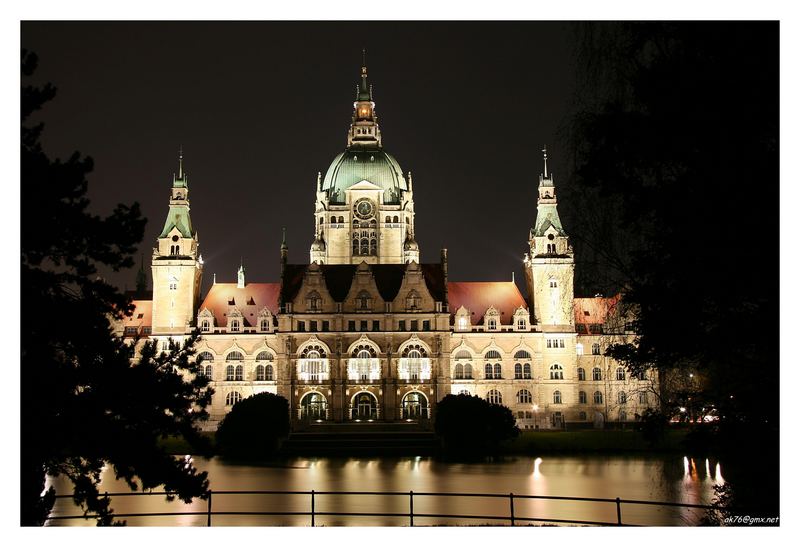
544,151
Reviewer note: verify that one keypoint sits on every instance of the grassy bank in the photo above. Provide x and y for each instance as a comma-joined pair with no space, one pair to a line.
534,442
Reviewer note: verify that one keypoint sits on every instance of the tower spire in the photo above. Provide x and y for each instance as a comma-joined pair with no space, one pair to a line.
544,151
180,162
364,130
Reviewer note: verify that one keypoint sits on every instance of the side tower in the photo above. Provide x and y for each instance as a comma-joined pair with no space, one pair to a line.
177,266
551,265
364,209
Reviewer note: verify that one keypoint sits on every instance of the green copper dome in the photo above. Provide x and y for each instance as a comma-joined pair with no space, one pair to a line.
357,164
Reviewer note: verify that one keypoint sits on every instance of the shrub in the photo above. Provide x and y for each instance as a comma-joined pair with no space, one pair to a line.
653,426
255,427
470,425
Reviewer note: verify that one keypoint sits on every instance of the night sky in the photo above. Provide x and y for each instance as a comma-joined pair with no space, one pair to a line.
260,108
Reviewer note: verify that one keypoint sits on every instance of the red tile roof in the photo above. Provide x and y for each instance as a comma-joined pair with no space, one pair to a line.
223,297
594,310
142,314
478,296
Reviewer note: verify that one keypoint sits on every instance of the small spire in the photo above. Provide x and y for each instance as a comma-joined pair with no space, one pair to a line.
544,151
364,57
240,275
214,282
180,162
283,240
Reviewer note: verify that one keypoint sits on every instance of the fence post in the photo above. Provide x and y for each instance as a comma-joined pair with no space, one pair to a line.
208,510
411,506
511,502
312,508
619,514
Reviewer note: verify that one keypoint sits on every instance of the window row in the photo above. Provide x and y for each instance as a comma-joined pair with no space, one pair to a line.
492,354
524,397
205,356
235,325
264,373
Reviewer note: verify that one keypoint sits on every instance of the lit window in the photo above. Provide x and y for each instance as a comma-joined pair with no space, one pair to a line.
494,397
488,371
597,374
595,349
579,348
459,371
205,326
556,372
498,371
269,373
235,325
468,372
521,324
582,397
526,371
557,397
232,398
598,398
518,371
620,373
581,374
208,372
524,397
204,356
492,324
264,325
230,373
260,373
234,356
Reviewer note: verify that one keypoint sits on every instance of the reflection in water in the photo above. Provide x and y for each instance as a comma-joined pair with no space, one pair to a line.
671,479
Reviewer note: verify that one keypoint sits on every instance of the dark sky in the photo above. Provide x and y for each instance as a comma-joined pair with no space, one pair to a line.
259,108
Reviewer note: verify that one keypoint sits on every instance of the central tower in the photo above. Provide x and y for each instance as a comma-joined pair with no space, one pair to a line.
364,209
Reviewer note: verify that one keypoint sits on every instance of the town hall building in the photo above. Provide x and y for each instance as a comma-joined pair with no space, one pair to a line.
365,331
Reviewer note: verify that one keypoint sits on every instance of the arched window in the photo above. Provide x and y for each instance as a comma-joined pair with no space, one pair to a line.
204,356
269,373
488,370
493,354
598,398
522,355
234,356
557,397
264,356
524,397
208,372
364,246
459,371
260,373
556,372
620,373
581,374
494,397
239,373
396,219
526,371
341,220
373,247
232,398
582,397
518,371
498,371
468,371
230,373
622,398
355,245
333,220
596,374
595,349
205,325
463,355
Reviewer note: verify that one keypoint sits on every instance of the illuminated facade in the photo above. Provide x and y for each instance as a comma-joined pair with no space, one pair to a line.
365,331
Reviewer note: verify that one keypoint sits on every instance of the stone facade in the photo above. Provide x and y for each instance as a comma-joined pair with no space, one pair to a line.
366,332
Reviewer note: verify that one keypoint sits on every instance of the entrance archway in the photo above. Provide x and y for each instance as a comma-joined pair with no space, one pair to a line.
364,406
415,406
313,406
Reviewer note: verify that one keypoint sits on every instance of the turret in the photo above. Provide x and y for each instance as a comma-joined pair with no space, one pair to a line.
550,266
176,265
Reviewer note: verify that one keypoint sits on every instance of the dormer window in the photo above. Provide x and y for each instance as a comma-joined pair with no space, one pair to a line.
413,301
263,325
205,326
235,325
463,323
314,301
363,301
492,325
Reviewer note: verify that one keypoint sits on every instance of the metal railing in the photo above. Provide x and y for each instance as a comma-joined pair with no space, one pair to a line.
512,517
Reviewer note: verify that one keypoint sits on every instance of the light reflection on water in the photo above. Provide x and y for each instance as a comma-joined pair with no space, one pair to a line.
671,479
